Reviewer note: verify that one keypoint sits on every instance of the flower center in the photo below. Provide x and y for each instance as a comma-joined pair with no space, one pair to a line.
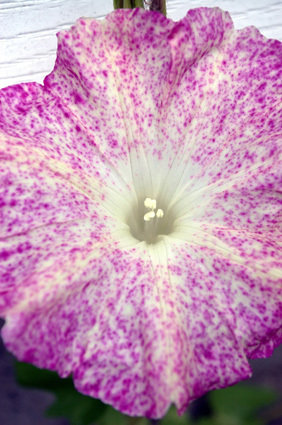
151,204
150,221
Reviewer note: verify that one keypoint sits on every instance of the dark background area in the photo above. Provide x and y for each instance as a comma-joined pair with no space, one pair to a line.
18,405
22,406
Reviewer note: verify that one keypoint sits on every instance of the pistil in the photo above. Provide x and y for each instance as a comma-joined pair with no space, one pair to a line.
151,204
151,219
148,222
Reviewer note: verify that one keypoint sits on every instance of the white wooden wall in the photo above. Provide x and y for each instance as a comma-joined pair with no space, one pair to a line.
28,28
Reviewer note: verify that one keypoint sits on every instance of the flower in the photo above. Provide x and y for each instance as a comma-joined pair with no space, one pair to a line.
140,208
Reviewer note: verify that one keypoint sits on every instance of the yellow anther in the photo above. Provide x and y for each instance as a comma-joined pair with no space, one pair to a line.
159,213
149,215
150,203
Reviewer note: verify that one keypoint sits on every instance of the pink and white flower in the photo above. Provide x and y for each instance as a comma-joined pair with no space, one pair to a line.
140,195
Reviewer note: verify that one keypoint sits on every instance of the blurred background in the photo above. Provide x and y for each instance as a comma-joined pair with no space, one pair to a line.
27,53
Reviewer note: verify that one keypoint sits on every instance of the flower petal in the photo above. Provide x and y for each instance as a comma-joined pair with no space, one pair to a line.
224,120
33,118
138,105
210,354
104,324
44,217
54,190
118,76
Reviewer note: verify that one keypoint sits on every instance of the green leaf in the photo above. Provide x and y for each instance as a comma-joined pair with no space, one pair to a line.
240,404
113,417
76,407
227,420
31,376
241,400
172,418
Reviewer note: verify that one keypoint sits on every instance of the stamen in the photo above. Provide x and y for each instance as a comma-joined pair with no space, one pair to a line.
159,213
150,203
148,222
149,215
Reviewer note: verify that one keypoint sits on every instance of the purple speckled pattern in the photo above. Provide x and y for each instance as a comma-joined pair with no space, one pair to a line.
188,113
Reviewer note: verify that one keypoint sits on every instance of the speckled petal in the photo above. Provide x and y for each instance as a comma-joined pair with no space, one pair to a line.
44,217
207,351
232,180
119,77
35,119
106,326
138,106
224,120
52,184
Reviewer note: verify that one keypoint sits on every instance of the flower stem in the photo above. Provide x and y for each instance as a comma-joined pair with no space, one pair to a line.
159,5
139,3
127,4
118,4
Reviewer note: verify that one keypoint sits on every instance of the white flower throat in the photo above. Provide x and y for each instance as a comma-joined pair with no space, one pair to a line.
150,221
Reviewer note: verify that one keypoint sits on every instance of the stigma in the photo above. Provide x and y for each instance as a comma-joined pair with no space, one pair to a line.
151,205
